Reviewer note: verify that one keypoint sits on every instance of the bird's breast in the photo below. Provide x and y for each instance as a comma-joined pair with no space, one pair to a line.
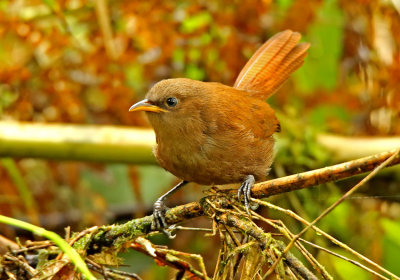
208,158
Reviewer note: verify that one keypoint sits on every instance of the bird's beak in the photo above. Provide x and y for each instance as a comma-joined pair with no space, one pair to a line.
146,105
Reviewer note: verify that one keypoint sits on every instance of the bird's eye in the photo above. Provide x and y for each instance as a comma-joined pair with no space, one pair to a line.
171,101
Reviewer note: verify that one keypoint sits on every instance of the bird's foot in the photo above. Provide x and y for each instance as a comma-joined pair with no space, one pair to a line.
159,222
245,189
159,209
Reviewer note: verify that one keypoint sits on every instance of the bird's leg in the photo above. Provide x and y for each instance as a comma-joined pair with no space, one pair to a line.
245,188
159,222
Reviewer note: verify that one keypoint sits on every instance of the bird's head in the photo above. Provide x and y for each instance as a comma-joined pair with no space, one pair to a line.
173,102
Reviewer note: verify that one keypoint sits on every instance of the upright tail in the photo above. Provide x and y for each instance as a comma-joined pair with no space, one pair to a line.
272,64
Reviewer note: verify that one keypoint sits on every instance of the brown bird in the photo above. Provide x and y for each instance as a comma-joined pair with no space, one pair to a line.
210,133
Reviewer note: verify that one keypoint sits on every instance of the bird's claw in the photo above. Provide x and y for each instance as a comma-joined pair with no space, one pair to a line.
245,189
159,222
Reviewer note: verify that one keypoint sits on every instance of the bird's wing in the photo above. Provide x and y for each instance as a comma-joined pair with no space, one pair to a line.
233,114
272,64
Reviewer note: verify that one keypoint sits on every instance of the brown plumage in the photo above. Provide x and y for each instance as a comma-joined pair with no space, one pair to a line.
210,133
215,135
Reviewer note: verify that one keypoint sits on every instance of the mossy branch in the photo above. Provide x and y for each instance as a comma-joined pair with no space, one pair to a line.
118,234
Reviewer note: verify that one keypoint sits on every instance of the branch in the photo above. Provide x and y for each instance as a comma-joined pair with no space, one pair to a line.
219,205
77,142
133,145
322,175
119,234
265,238
346,148
330,208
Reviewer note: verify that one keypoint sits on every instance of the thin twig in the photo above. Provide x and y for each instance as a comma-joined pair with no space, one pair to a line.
344,258
330,208
285,231
111,272
319,176
323,233
199,229
246,226
30,270
105,27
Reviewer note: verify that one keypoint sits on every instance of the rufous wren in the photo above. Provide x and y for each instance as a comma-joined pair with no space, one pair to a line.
210,133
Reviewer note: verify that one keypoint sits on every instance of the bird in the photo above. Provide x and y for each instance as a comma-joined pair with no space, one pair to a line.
214,134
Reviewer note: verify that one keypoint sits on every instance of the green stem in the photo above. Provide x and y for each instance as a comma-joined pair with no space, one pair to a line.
99,143
24,191
61,243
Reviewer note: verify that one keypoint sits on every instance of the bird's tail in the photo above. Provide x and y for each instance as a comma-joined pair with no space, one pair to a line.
272,64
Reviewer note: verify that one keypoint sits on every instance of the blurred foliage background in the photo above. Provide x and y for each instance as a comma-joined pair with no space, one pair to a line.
86,62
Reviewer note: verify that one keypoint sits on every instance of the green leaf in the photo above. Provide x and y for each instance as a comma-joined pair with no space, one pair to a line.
348,270
116,189
321,114
191,24
392,230
134,76
391,245
195,54
194,72
24,191
337,221
52,4
284,4
326,36
7,97
178,55
206,39
154,181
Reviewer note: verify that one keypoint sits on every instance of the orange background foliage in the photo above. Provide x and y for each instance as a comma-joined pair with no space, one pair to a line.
86,62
